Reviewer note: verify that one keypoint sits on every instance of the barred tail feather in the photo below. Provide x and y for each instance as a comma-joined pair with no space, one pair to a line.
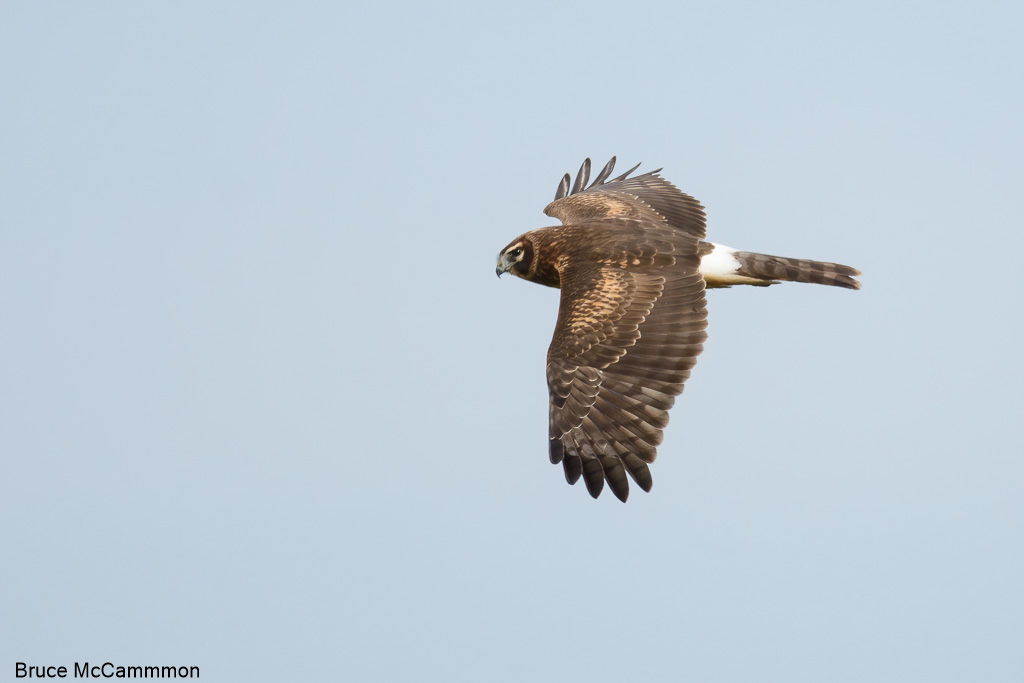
774,268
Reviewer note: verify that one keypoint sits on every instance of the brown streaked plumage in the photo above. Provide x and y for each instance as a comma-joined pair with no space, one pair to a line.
632,264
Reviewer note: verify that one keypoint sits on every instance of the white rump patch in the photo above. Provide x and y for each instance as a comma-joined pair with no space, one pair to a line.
720,266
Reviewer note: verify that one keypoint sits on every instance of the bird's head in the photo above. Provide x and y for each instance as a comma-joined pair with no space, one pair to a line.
516,258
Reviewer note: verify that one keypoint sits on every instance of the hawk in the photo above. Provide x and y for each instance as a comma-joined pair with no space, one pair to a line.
632,264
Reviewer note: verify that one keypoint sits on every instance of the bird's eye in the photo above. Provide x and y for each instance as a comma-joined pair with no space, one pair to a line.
517,252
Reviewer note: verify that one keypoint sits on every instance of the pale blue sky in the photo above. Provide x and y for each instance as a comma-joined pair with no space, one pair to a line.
265,409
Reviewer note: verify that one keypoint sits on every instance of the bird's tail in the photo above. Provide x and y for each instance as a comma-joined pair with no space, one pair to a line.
775,268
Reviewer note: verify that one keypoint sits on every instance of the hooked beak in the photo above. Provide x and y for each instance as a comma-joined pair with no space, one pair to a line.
498,271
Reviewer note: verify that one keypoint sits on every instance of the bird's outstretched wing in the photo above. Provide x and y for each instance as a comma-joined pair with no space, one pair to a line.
648,197
629,329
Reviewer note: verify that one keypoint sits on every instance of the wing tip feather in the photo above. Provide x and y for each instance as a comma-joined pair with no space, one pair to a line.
567,186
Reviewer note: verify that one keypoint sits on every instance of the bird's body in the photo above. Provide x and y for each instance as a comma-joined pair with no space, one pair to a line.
632,265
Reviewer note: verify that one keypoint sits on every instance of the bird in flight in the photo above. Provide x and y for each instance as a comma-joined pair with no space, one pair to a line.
632,263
